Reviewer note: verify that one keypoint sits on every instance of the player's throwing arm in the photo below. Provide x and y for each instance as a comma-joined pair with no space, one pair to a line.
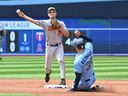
23,15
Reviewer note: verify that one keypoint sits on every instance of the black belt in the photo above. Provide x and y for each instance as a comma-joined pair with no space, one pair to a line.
89,79
54,45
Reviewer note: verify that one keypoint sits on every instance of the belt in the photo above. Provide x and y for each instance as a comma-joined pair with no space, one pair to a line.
54,45
89,79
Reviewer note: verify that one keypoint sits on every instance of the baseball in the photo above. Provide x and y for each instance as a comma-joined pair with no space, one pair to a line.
18,10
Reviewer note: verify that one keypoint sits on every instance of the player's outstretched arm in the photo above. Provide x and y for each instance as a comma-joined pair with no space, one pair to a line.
86,38
23,15
76,82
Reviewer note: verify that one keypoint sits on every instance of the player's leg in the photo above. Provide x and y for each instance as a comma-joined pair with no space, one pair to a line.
86,85
60,58
96,87
48,61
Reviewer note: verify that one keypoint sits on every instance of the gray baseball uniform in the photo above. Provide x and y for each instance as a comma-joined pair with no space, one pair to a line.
54,46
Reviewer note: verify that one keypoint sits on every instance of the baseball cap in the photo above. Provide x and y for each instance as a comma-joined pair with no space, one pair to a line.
77,42
51,8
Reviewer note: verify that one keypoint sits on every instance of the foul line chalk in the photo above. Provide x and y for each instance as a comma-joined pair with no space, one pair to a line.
55,86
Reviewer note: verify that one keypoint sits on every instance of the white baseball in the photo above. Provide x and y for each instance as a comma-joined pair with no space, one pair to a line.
18,11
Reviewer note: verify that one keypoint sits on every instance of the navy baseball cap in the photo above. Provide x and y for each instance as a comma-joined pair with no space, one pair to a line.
77,42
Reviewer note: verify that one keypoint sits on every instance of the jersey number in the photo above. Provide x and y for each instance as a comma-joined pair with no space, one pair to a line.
88,65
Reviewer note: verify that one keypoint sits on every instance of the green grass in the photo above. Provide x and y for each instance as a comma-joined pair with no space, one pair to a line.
32,67
16,94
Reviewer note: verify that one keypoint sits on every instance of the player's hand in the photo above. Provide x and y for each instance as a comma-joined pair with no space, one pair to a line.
71,90
77,33
21,14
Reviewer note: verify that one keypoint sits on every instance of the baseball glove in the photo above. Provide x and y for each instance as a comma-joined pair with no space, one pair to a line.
55,25
2,32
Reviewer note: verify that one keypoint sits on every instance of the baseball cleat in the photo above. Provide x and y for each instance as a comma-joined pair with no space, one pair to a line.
62,82
97,88
47,77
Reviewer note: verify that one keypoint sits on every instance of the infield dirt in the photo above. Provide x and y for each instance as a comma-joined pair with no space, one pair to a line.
35,87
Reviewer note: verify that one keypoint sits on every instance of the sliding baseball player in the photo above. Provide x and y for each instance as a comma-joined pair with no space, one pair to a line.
83,64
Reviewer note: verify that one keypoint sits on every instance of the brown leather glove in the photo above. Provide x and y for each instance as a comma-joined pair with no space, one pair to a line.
55,25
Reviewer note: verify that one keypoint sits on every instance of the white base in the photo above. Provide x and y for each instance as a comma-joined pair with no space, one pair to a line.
55,86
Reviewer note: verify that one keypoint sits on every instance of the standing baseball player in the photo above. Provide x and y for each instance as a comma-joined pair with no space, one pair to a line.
83,64
2,33
54,30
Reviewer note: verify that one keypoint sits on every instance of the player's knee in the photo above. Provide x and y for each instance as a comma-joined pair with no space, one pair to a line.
47,70
61,62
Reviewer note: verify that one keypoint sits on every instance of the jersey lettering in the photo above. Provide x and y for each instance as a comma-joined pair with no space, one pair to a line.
85,57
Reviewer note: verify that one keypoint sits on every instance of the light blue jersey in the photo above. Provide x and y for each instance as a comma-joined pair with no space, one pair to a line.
83,64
